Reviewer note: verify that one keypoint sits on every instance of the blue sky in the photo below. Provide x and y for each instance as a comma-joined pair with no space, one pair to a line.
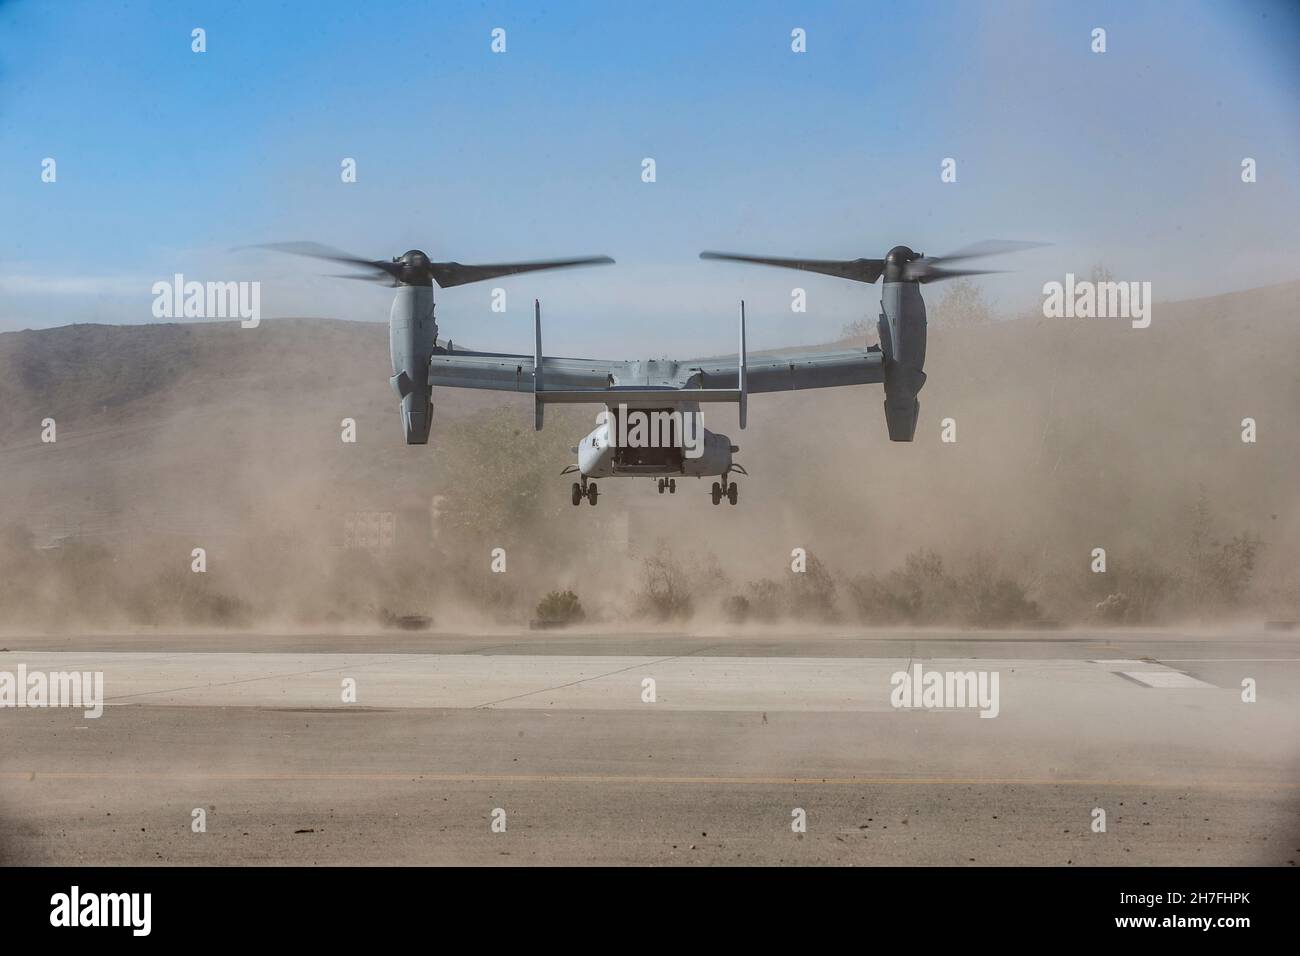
167,159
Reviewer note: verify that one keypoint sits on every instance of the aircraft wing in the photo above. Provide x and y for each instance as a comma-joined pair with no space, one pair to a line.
793,370
504,372
773,372
570,380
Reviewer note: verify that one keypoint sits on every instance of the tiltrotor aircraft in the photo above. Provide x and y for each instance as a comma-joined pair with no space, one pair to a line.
650,427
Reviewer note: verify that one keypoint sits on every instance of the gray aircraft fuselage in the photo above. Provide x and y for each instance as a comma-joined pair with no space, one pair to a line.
665,439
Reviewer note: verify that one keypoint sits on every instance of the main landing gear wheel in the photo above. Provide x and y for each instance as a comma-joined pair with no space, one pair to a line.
672,486
591,494
577,493
728,490
662,485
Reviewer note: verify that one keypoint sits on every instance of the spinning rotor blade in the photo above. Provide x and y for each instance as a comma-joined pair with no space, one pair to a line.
927,270
904,263
383,279
858,270
448,274
414,268
989,247
934,268
315,250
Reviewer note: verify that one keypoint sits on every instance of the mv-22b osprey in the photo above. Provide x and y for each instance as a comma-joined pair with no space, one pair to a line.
650,427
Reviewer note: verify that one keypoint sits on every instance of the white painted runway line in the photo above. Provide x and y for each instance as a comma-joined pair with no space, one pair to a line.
1156,674
580,682
1168,679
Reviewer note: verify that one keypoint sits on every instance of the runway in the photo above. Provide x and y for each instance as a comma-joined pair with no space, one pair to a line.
671,748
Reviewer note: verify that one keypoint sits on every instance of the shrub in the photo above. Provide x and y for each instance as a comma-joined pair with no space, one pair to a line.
736,608
560,607
666,592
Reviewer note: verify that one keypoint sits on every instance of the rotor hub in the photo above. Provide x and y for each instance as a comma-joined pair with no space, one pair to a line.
414,267
896,263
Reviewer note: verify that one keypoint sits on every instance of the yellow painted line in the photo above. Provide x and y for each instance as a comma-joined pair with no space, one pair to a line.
34,775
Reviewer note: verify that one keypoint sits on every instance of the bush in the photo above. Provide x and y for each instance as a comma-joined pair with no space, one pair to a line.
764,602
920,592
666,592
812,592
923,592
990,599
560,607
188,598
736,608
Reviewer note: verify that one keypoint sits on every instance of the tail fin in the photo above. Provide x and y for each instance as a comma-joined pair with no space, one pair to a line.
741,380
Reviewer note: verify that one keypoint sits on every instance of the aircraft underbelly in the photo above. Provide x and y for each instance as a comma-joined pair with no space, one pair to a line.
598,458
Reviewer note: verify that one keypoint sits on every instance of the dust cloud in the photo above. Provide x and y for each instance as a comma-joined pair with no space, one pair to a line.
1071,436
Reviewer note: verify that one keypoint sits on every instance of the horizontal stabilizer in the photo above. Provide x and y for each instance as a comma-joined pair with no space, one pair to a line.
613,396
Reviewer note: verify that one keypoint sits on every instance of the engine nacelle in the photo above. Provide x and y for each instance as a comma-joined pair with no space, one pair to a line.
902,340
412,336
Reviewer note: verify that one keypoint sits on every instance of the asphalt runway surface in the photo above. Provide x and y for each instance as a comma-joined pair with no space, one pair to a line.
658,748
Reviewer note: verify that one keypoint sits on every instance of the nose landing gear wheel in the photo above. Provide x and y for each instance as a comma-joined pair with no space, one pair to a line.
577,493
591,494
733,493
672,486
717,493
662,485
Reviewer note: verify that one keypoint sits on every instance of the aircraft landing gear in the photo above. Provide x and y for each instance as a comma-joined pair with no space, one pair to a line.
728,490
662,485
585,490
672,486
